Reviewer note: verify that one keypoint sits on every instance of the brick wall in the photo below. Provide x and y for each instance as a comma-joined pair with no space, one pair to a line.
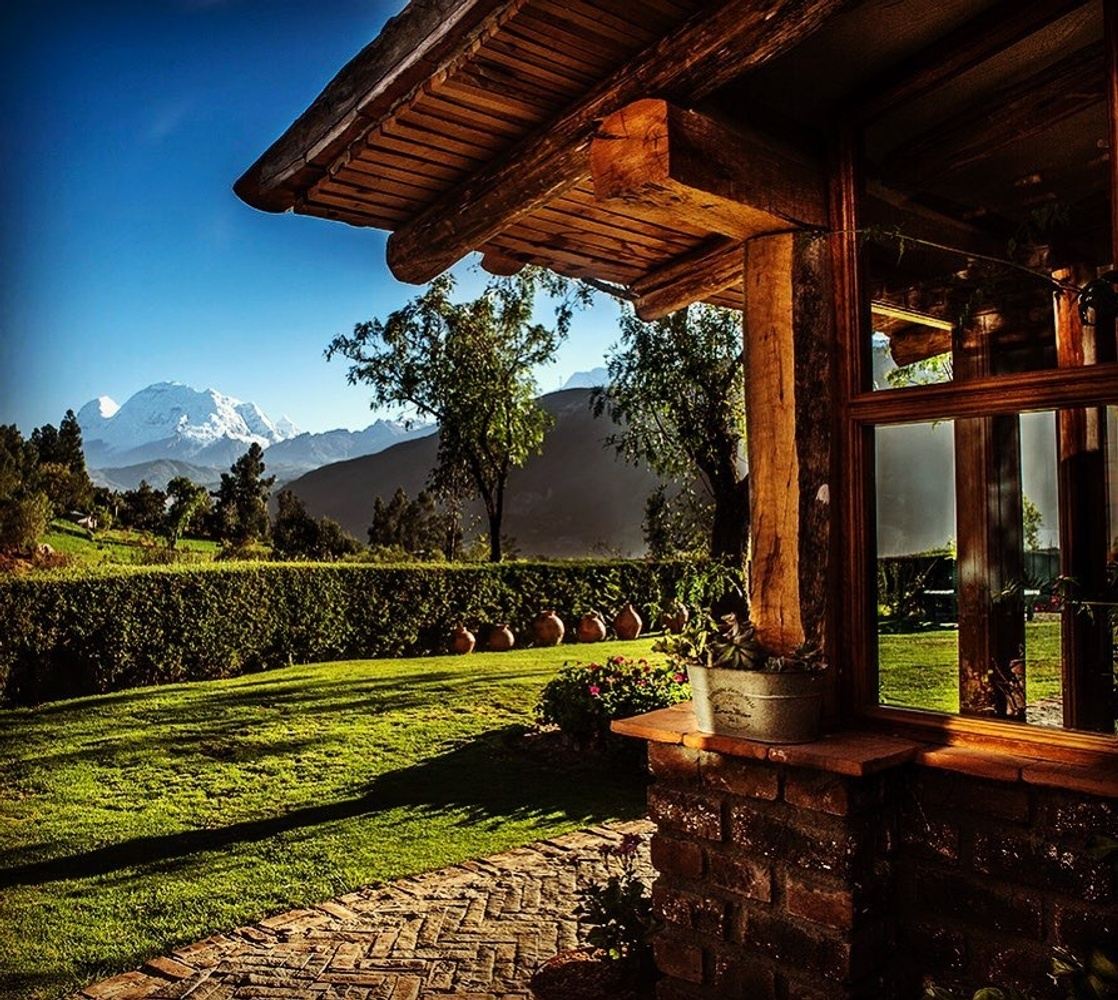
787,883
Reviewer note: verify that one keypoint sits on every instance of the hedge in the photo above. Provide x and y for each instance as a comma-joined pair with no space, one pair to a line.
67,636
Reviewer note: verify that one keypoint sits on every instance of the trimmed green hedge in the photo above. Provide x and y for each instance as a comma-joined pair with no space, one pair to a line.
64,636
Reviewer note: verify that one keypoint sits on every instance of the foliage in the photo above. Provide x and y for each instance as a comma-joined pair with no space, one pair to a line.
986,993
677,395
129,626
417,527
59,469
468,366
677,524
144,508
241,507
1033,521
136,822
619,910
731,642
298,535
23,520
586,697
188,508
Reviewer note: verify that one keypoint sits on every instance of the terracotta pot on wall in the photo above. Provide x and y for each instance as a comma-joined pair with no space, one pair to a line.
591,628
675,619
501,639
462,640
548,629
628,623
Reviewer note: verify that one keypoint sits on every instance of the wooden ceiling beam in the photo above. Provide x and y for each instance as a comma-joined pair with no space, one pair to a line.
698,274
972,43
1022,110
710,49
673,166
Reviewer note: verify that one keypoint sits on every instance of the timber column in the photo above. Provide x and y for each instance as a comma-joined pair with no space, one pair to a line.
789,353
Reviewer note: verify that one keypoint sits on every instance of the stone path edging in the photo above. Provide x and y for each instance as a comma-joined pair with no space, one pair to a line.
476,931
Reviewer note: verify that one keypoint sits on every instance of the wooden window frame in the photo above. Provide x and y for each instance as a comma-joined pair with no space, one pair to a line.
853,628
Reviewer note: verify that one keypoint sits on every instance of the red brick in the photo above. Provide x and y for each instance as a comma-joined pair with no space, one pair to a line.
980,903
684,812
953,792
828,906
672,856
935,948
741,875
819,790
742,977
705,914
1049,865
736,776
829,848
1077,815
812,951
672,763
678,959
1080,928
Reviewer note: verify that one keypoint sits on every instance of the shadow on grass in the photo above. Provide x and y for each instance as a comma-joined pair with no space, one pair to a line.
486,780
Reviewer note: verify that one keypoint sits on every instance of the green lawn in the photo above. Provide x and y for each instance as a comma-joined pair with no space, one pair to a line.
135,821
120,547
921,669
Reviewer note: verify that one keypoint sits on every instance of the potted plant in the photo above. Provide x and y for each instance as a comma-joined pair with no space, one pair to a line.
741,689
617,961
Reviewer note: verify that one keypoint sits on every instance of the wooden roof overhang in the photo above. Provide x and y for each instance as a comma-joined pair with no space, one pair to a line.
635,144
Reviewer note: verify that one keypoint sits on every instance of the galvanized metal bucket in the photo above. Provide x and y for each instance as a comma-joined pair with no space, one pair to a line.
754,705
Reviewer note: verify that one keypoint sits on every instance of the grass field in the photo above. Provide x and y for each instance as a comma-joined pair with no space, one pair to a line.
134,821
120,547
920,669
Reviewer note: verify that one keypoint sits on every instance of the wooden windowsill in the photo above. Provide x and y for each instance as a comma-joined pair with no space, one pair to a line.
860,752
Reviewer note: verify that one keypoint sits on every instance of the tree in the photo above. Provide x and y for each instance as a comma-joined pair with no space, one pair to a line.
675,524
469,366
241,507
59,468
23,520
189,504
417,526
677,395
296,534
1033,521
143,508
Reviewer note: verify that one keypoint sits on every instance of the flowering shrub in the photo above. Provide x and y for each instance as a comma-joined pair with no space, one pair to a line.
585,697
619,910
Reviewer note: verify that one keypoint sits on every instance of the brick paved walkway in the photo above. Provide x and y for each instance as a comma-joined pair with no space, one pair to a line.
475,931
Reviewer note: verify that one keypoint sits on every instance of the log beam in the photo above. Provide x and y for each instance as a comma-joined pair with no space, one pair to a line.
672,166
710,268
789,356
710,49
501,265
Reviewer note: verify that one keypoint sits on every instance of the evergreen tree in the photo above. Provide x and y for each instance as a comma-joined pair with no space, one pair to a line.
241,508
189,504
143,508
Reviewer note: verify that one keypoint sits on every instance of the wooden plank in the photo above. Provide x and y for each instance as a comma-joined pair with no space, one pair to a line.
692,276
427,33
667,164
972,43
500,264
710,49
788,335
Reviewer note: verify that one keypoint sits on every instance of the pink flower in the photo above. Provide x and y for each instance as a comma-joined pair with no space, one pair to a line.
680,678
595,690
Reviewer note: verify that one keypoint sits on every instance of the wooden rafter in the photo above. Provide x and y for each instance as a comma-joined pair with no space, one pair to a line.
698,274
706,52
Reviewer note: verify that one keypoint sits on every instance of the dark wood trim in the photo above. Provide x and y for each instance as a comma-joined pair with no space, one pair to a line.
1023,392
852,635
960,50
1110,34
1061,745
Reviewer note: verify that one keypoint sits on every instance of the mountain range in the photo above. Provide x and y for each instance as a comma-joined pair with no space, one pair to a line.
170,429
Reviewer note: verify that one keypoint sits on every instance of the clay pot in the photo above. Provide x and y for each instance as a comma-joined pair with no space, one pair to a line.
501,639
462,640
548,629
628,623
585,974
591,628
675,619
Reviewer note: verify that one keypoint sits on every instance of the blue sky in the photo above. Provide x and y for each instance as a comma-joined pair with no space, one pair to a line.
125,258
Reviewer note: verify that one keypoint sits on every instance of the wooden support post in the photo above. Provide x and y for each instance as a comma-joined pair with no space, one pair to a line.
990,559
789,356
1087,647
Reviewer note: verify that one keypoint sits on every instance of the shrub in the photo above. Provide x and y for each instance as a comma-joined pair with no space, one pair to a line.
586,697
23,521
127,626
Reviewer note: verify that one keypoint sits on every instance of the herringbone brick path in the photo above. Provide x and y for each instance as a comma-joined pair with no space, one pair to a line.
475,931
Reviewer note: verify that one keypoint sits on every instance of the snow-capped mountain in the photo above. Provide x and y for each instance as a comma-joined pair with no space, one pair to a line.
171,423
173,420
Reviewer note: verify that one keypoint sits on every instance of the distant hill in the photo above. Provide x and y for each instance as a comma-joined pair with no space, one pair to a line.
575,499
158,473
587,380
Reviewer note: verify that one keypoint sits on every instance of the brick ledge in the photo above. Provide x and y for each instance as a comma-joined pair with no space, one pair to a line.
857,753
